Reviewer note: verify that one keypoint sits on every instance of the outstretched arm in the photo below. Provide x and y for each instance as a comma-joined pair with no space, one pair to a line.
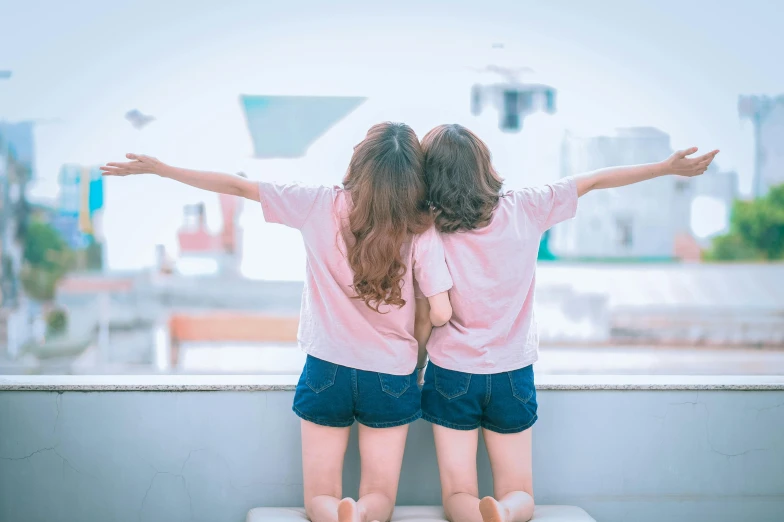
212,181
679,164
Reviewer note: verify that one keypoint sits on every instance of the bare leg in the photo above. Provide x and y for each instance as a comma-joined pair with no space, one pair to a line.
323,450
510,459
381,457
456,452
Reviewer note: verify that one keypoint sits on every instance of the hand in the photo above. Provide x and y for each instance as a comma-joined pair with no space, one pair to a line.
139,164
420,377
681,165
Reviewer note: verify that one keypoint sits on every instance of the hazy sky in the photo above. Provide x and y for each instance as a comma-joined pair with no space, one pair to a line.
79,66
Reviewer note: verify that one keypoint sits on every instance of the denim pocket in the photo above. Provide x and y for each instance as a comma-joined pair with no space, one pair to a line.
451,384
394,385
522,382
320,374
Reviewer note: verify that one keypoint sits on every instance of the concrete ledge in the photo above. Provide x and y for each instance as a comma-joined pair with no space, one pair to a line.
422,514
646,455
175,383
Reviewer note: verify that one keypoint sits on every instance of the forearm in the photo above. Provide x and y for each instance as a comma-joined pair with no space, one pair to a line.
212,181
422,329
422,334
618,176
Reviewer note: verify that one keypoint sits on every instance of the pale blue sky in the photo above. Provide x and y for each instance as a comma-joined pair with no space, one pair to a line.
82,64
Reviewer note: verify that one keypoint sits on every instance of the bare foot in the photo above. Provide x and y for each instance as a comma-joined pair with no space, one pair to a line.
348,511
491,510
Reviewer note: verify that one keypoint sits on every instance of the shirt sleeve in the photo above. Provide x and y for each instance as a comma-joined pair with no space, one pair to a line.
288,204
431,275
549,205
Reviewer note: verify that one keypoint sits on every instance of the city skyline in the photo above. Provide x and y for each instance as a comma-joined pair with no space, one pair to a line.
188,68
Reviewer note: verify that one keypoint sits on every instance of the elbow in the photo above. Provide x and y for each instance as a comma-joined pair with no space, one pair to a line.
248,190
440,317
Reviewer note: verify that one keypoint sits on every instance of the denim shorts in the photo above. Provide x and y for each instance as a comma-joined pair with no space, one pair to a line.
332,395
500,402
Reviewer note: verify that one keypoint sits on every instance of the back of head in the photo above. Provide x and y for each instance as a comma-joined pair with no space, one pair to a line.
462,185
387,189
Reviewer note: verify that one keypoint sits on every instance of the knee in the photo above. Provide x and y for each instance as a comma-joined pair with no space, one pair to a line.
453,500
309,504
312,501
500,493
447,493
309,509
382,493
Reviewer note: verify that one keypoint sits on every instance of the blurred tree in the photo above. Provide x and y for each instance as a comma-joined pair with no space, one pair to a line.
15,174
39,283
94,256
40,242
756,230
56,322
46,260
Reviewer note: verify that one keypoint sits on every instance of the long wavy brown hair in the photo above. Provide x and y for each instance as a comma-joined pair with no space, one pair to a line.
463,186
387,188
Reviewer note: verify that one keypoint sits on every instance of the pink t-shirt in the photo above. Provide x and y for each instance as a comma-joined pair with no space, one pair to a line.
493,328
334,325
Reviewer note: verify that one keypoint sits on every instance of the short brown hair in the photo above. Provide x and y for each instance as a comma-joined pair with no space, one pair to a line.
463,186
388,193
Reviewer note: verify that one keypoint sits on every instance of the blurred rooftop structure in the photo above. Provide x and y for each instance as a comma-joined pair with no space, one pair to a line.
767,116
627,317
647,221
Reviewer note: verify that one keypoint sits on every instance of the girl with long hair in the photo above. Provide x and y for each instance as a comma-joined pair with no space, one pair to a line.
371,251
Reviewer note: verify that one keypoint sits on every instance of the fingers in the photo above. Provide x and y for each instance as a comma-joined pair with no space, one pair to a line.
113,171
137,165
122,169
121,165
703,162
707,157
685,152
695,166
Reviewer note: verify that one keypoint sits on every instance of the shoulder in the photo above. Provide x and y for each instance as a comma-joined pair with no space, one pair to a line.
426,240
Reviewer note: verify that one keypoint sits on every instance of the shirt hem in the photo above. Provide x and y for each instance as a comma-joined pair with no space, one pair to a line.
504,366
329,357
425,295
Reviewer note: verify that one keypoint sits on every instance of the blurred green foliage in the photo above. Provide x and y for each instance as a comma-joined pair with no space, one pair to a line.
46,260
56,322
756,231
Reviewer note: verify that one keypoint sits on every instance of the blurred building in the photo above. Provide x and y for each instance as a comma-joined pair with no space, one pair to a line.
16,171
646,221
767,116
182,324
79,213
202,251
664,303
17,168
19,141
717,183
714,193
636,222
